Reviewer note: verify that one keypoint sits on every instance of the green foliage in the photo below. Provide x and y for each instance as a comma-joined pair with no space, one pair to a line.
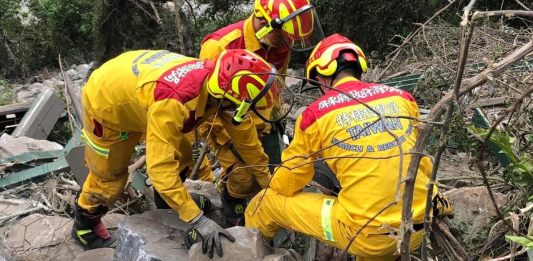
520,170
7,94
521,240
37,31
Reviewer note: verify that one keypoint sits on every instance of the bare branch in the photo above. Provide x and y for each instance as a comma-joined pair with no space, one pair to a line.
522,5
410,37
506,13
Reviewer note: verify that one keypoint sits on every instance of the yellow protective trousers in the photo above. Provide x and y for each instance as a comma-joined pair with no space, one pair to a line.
242,181
107,155
316,215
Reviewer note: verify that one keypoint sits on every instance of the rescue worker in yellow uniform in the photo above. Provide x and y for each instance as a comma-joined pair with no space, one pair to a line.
355,144
276,28
163,96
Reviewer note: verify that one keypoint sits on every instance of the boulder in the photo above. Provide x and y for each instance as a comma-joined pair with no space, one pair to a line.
153,235
28,93
474,211
206,189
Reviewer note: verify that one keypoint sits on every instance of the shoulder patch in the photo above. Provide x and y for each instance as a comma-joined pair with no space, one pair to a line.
308,118
182,82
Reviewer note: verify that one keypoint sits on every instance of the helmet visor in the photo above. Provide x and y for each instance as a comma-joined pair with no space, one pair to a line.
282,101
301,30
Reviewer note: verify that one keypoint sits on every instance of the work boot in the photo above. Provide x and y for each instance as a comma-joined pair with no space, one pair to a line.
233,209
89,230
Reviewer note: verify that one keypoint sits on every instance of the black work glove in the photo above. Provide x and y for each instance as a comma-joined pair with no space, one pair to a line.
210,233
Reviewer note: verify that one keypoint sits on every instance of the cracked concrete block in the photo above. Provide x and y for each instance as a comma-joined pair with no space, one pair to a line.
153,235
11,146
37,231
249,245
102,254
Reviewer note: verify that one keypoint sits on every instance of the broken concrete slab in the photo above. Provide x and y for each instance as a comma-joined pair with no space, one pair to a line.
102,254
41,117
65,251
37,231
249,245
153,235
12,146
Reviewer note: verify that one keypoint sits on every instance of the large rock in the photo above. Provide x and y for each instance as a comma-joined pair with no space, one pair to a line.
206,189
473,210
249,245
153,235
27,93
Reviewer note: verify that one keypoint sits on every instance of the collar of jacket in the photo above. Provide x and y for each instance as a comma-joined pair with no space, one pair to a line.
345,80
250,40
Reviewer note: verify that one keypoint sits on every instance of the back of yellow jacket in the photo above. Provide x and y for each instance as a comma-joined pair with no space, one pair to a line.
158,93
357,147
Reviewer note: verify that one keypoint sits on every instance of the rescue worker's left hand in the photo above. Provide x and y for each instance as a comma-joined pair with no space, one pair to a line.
210,233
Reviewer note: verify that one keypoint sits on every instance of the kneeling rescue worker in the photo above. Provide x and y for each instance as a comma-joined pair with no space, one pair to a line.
355,144
273,31
164,95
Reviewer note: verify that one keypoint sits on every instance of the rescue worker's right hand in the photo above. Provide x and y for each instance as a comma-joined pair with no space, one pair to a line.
210,233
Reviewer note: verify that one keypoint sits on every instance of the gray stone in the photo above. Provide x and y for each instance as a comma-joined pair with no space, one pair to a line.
73,74
5,253
102,254
112,220
473,210
153,235
249,245
30,92
37,231
281,254
83,69
206,189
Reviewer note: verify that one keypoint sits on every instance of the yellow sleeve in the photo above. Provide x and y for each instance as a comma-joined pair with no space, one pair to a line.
246,141
210,49
296,170
163,138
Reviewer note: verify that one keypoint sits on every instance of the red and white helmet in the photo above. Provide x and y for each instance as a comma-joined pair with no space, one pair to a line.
332,52
298,20
246,79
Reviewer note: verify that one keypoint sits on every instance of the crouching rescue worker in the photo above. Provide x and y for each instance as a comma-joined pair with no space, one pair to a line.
354,142
164,95
273,31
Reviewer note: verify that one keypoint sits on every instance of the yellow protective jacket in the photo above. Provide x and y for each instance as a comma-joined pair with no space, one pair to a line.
359,150
241,35
162,94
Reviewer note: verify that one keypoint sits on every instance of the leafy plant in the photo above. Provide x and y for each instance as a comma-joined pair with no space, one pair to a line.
520,169
521,240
